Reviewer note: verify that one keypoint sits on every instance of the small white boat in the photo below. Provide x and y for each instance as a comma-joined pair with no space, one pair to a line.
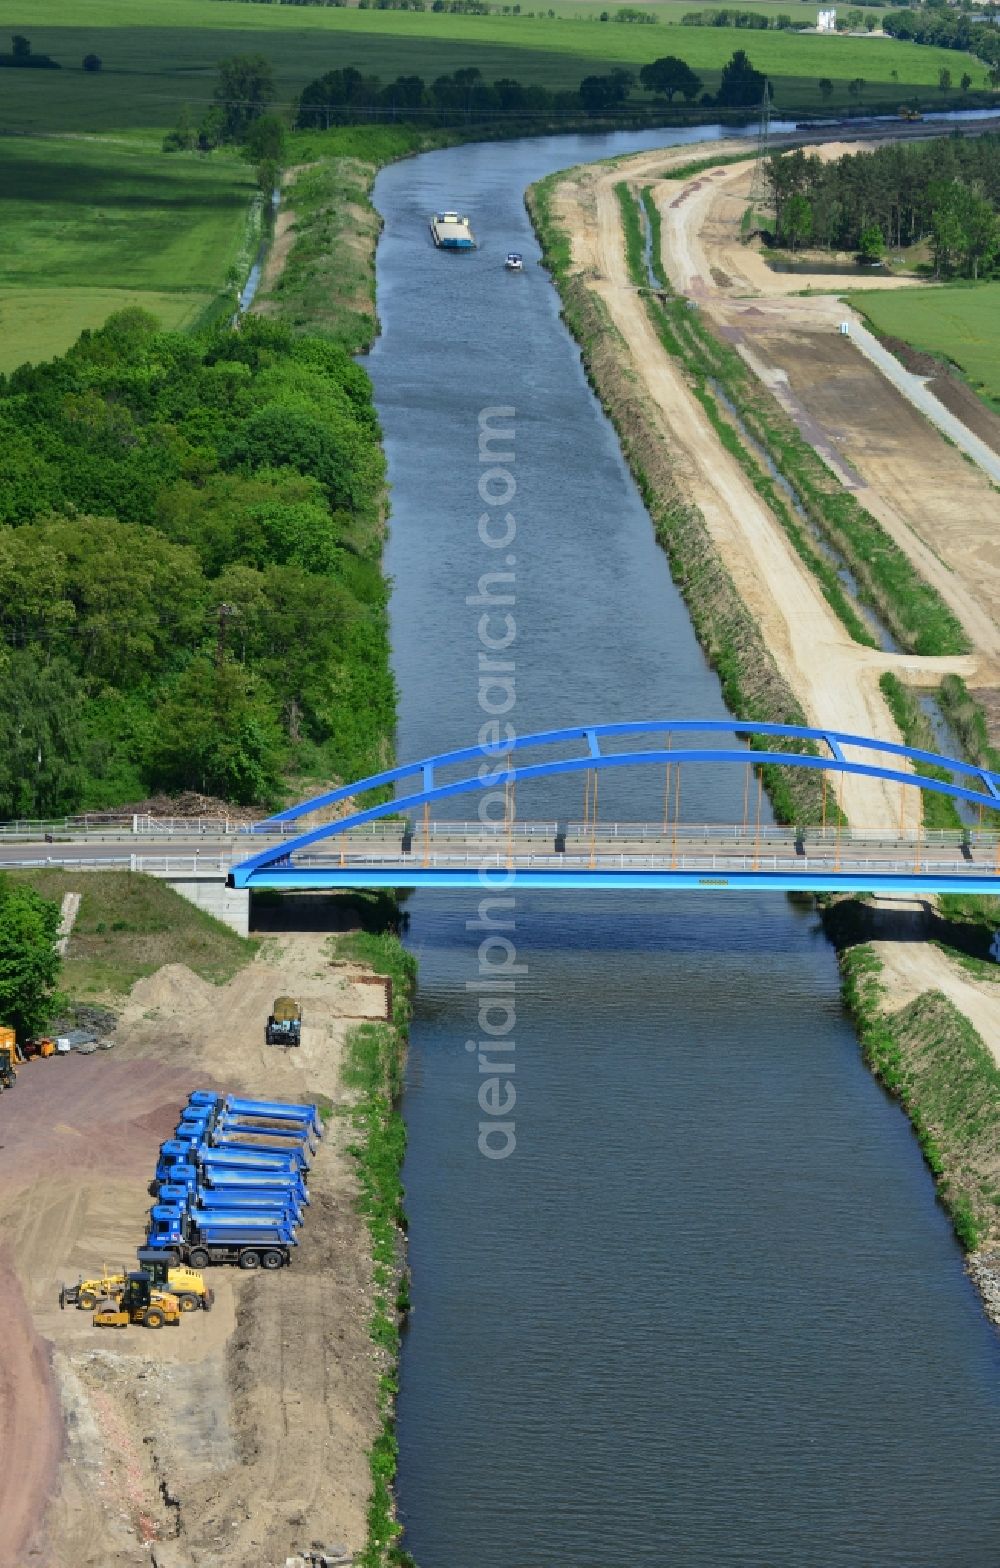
452,231
514,263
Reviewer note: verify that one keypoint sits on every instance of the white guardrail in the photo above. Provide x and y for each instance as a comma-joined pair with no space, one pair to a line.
247,836
150,865
801,864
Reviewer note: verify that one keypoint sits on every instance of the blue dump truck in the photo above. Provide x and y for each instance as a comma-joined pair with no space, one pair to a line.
237,1159
231,1183
280,1111
230,1124
234,1156
247,1199
185,1173
187,1177
218,1137
251,1240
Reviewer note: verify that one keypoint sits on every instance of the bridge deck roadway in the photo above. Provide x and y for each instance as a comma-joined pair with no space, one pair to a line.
635,855
538,854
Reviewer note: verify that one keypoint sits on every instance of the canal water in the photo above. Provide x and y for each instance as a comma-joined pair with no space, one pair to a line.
707,1312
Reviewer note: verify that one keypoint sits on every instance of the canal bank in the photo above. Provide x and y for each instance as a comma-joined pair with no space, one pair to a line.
666,420
648,1317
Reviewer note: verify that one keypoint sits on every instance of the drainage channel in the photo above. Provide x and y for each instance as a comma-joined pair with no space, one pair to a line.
849,582
948,743
249,290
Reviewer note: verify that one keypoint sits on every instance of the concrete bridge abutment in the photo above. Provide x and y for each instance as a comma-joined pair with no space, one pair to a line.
231,905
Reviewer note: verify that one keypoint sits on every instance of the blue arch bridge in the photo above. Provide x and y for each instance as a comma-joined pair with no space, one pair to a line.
398,842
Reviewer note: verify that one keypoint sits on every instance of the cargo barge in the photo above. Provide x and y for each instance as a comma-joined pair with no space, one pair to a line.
450,231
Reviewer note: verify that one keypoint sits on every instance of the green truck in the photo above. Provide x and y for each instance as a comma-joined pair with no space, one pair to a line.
284,1026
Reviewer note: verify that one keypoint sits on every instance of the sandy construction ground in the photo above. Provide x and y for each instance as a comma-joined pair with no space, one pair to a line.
240,1435
703,249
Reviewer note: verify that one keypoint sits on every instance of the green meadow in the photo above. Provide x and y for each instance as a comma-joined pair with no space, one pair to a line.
40,324
90,227
160,54
959,322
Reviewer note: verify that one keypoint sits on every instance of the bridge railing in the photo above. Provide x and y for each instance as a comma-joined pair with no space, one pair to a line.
206,865
109,828
855,865
105,829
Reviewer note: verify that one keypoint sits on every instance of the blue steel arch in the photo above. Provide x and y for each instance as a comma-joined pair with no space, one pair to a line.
594,758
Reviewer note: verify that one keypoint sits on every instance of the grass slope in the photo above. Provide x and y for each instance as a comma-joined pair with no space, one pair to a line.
961,323
932,1060
93,226
376,1054
160,54
129,926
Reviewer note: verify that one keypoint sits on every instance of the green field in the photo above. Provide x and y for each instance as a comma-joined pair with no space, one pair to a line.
160,54
37,324
960,323
93,226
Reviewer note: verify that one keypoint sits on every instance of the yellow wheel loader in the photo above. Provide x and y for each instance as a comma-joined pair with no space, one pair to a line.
137,1303
186,1284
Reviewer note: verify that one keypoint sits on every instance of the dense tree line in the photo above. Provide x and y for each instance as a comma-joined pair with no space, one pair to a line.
946,191
626,14
755,21
29,963
190,583
346,95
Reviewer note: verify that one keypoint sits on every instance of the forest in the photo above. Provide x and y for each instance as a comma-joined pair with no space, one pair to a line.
945,191
190,584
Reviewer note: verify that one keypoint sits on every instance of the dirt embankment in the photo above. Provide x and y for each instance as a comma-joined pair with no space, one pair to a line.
321,266
241,1435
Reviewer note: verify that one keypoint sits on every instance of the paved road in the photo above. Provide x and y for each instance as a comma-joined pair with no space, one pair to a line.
537,846
919,394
